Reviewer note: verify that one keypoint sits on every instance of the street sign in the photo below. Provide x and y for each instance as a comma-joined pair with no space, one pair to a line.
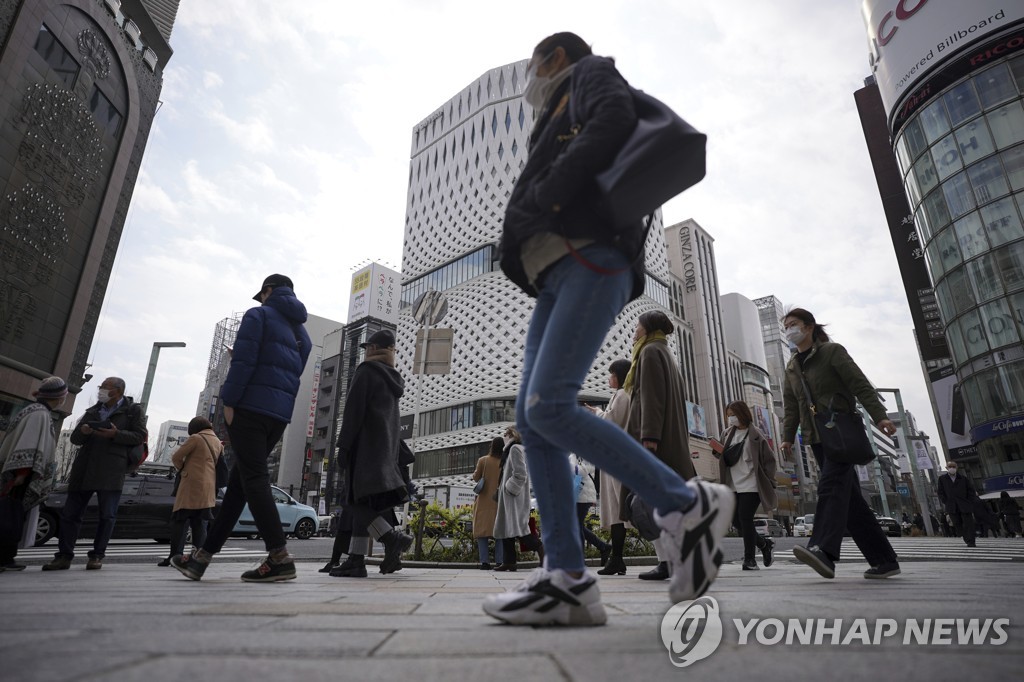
430,307
903,490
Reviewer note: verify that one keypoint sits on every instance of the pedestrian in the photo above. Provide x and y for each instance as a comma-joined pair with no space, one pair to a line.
752,477
586,498
258,395
1011,514
197,461
106,433
512,520
27,468
958,495
371,458
485,506
919,523
612,518
558,246
833,379
657,411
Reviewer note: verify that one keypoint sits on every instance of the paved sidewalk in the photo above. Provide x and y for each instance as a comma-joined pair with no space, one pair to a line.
135,622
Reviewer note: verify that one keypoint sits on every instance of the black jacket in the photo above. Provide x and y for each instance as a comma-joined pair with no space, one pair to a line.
369,443
958,496
101,463
562,167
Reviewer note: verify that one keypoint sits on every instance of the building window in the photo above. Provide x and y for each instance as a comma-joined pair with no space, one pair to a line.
108,118
59,59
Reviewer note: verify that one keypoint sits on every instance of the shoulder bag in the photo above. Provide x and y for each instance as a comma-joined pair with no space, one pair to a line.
842,434
663,156
732,453
479,487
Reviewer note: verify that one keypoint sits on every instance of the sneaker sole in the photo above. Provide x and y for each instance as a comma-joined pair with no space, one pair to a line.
186,572
805,557
725,500
575,616
882,576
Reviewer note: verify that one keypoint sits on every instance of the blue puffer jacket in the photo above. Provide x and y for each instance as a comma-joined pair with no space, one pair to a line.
270,353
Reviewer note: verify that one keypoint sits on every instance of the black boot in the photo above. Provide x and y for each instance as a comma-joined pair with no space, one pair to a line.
331,563
353,567
615,566
660,572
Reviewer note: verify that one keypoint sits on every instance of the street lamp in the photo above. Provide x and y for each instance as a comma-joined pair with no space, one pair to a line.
148,385
922,499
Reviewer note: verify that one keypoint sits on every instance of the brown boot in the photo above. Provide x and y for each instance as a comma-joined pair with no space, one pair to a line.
59,563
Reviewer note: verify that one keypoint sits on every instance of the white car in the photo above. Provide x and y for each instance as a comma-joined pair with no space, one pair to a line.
769,528
804,526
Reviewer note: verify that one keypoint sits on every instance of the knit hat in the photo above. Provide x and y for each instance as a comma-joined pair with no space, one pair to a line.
52,388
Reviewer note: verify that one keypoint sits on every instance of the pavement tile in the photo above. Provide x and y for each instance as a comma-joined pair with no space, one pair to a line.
277,608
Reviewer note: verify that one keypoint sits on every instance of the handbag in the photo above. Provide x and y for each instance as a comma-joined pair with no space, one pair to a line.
732,453
842,434
663,156
479,487
577,484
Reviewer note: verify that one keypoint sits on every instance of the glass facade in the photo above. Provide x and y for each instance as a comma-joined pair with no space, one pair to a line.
450,274
962,158
456,417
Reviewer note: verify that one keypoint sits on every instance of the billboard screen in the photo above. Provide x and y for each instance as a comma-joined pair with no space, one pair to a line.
695,420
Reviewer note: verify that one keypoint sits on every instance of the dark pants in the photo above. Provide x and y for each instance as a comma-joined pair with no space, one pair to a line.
510,552
12,525
841,507
964,522
195,518
582,508
71,521
746,507
253,436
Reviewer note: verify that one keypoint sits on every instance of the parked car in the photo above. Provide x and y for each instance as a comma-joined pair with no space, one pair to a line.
890,525
804,526
769,528
145,511
297,519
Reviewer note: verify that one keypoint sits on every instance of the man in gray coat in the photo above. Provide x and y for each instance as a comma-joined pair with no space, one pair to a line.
106,433
368,457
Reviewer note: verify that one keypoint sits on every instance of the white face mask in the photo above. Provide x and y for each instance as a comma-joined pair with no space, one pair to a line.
539,89
795,334
733,421
952,472
103,395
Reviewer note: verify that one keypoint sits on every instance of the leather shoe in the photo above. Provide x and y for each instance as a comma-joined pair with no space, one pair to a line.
350,568
94,564
767,552
327,567
165,562
60,563
660,572
750,565
505,567
615,566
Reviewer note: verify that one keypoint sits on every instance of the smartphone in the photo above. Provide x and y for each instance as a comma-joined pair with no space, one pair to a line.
100,425
715,445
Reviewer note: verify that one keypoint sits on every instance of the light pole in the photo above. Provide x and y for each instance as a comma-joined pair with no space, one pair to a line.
154,356
922,500
877,466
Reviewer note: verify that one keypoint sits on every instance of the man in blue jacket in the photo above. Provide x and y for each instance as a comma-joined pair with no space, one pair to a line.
258,395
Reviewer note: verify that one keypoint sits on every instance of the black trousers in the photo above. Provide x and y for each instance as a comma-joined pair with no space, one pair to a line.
253,436
746,507
582,509
510,547
964,522
12,524
841,507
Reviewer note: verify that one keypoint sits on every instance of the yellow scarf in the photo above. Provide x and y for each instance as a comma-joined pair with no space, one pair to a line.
638,346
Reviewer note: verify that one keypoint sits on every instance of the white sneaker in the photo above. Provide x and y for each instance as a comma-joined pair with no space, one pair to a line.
693,539
550,598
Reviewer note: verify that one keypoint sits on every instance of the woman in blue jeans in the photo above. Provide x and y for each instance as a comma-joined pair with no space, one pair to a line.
559,247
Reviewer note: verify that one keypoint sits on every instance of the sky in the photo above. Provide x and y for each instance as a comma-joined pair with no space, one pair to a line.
282,145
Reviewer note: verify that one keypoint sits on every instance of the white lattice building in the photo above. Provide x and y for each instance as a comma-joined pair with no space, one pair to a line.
465,159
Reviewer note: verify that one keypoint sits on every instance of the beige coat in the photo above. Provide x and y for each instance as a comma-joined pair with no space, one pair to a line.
611,490
485,508
755,450
196,459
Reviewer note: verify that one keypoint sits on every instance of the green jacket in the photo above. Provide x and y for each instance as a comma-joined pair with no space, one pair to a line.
829,371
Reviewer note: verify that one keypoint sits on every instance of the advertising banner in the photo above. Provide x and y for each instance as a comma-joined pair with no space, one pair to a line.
375,292
763,422
952,413
909,39
695,421
924,461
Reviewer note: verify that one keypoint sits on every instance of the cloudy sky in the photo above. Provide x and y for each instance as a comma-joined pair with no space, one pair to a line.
283,141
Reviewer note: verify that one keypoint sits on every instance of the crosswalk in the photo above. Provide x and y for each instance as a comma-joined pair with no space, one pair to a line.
133,549
940,549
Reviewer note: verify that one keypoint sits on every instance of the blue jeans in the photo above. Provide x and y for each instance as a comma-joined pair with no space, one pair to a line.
71,521
575,309
481,550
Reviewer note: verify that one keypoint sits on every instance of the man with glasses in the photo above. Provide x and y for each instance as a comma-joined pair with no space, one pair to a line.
957,493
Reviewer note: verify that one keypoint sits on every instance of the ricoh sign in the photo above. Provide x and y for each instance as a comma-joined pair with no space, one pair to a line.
908,39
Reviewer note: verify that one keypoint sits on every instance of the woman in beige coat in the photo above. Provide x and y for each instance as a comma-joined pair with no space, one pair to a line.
485,507
752,476
610,495
196,462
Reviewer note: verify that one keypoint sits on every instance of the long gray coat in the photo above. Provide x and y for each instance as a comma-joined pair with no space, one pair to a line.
368,446
513,519
755,449
101,463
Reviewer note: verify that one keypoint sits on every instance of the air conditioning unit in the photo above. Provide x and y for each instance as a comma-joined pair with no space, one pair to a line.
149,57
133,31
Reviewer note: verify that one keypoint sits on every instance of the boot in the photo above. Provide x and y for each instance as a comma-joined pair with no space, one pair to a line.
331,563
615,566
659,572
353,567
59,563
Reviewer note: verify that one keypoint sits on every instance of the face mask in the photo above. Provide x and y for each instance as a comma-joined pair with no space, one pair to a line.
952,472
795,335
733,421
103,395
507,439
539,89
